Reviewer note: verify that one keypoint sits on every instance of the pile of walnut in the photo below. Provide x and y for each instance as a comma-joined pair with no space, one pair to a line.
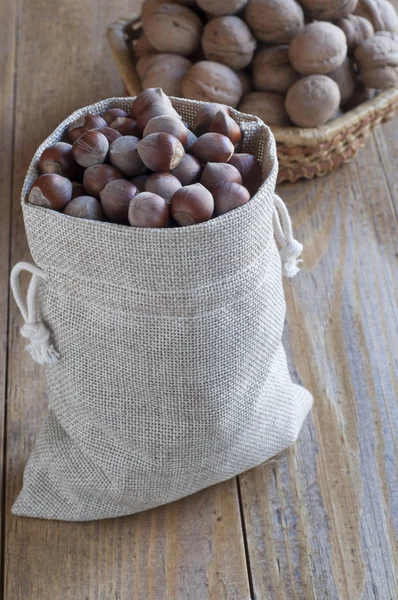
303,59
148,169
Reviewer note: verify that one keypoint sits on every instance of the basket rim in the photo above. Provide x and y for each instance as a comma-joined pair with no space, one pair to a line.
289,136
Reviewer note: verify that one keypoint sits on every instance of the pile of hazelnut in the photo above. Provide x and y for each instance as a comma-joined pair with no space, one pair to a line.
304,59
148,169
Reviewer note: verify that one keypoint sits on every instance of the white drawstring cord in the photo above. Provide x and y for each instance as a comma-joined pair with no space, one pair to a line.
40,348
291,249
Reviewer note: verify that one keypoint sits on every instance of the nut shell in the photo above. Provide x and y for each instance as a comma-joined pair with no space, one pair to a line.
228,40
160,151
96,177
377,60
125,126
380,13
110,134
85,123
222,7
85,207
319,47
356,30
150,103
205,116
274,22
162,184
188,171
345,77
167,124
212,82
223,123
217,173
174,28
91,148
165,70
124,156
250,170
246,81
328,10
228,196
112,113
115,200
148,210
140,182
267,106
51,191
192,204
59,159
272,70
213,147
313,100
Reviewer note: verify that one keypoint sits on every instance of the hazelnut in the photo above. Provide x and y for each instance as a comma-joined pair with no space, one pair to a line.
124,156
191,139
160,151
51,191
223,123
377,61
245,81
192,204
228,40
319,47
78,189
380,13
356,30
174,28
115,199
91,148
213,147
267,106
205,116
313,100
249,169
345,78
113,113
85,123
125,126
167,124
328,10
142,47
110,134
166,71
212,82
229,195
139,182
59,159
96,177
222,7
85,207
216,173
274,22
162,184
188,171
272,70
150,103
148,210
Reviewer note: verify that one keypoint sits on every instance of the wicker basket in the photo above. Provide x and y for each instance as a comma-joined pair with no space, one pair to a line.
303,153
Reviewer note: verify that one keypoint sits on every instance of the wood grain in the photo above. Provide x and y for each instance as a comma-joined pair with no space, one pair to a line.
190,549
320,517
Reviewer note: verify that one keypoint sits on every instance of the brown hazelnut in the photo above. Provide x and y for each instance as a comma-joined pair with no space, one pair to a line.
91,148
174,28
59,159
188,171
229,195
85,123
205,116
222,7
167,124
212,82
213,147
191,139
249,169
110,134
85,207
377,61
148,210
223,123
246,81
78,189
380,13
345,77
51,191
228,40
139,182
328,10
267,106
113,113
274,22
162,184
115,199
313,100
192,204
272,70
96,177
319,47
166,71
160,151
356,30
216,173
124,156
150,103
125,126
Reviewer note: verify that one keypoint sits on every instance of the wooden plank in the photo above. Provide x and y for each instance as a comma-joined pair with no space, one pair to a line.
190,549
321,519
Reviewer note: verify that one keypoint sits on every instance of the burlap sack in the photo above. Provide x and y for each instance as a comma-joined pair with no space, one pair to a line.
166,372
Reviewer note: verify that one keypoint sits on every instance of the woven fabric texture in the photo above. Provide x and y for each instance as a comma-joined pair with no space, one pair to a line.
172,376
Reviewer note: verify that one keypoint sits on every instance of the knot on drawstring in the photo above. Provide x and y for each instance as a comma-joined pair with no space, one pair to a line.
290,249
40,347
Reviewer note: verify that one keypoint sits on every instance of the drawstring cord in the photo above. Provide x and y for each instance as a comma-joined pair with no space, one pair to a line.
291,249
40,348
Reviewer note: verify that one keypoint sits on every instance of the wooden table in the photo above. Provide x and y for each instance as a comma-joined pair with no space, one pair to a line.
317,522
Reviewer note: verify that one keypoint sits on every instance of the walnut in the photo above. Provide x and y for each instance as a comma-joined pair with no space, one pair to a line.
272,70
328,10
377,60
174,28
380,13
356,30
345,77
319,47
313,100
228,40
246,82
221,7
267,106
274,21
212,82
164,70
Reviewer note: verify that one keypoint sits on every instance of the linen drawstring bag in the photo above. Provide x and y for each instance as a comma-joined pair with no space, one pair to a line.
164,366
